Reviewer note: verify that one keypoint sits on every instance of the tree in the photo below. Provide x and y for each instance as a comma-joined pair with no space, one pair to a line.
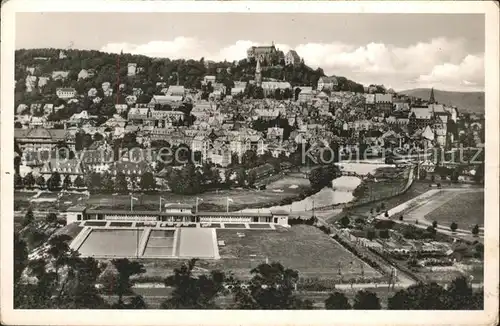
18,181
190,292
106,182
434,224
28,217
475,230
322,176
121,183
185,181
147,181
337,301
423,174
79,183
93,181
460,294
259,93
345,221
453,227
366,300
125,269
432,231
68,284
271,287
420,296
54,182
249,159
384,234
251,178
40,181
370,234
51,218
67,182
20,256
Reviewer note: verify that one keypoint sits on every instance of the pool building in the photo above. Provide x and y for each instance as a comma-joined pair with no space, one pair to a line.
175,213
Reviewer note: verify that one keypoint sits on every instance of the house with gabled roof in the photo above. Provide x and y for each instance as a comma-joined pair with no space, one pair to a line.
176,90
42,81
327,83
84,74
60,75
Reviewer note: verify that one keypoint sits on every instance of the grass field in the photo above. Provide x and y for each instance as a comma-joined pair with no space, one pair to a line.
242,198
22,200
300,247
465,209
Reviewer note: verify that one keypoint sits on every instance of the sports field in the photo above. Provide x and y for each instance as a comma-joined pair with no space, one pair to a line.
301,247
112,243
464,208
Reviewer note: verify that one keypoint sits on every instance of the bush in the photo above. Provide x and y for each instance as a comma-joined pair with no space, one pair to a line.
475,230
370,235
51,218
384,234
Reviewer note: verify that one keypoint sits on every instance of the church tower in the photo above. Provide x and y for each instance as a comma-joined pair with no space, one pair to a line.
258,74
431,98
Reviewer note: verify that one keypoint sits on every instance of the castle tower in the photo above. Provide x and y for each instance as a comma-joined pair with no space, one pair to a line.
431,98
258,74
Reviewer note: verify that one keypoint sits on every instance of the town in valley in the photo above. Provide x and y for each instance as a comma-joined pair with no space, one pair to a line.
261,183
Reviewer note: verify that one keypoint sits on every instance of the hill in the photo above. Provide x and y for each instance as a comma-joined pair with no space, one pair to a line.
472,102
189,73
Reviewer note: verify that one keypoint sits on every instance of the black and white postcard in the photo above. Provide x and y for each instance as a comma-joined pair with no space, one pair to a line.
188,163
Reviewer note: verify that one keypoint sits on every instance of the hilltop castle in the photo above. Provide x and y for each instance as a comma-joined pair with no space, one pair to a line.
262,53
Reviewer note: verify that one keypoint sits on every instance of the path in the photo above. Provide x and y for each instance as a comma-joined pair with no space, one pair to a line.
403,278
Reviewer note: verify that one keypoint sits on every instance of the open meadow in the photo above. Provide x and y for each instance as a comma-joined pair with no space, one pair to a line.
211,201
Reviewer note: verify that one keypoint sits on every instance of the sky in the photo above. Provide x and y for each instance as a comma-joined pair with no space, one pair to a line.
400,51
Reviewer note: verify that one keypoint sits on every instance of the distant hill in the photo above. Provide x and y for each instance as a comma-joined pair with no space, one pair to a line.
464,101
189,72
